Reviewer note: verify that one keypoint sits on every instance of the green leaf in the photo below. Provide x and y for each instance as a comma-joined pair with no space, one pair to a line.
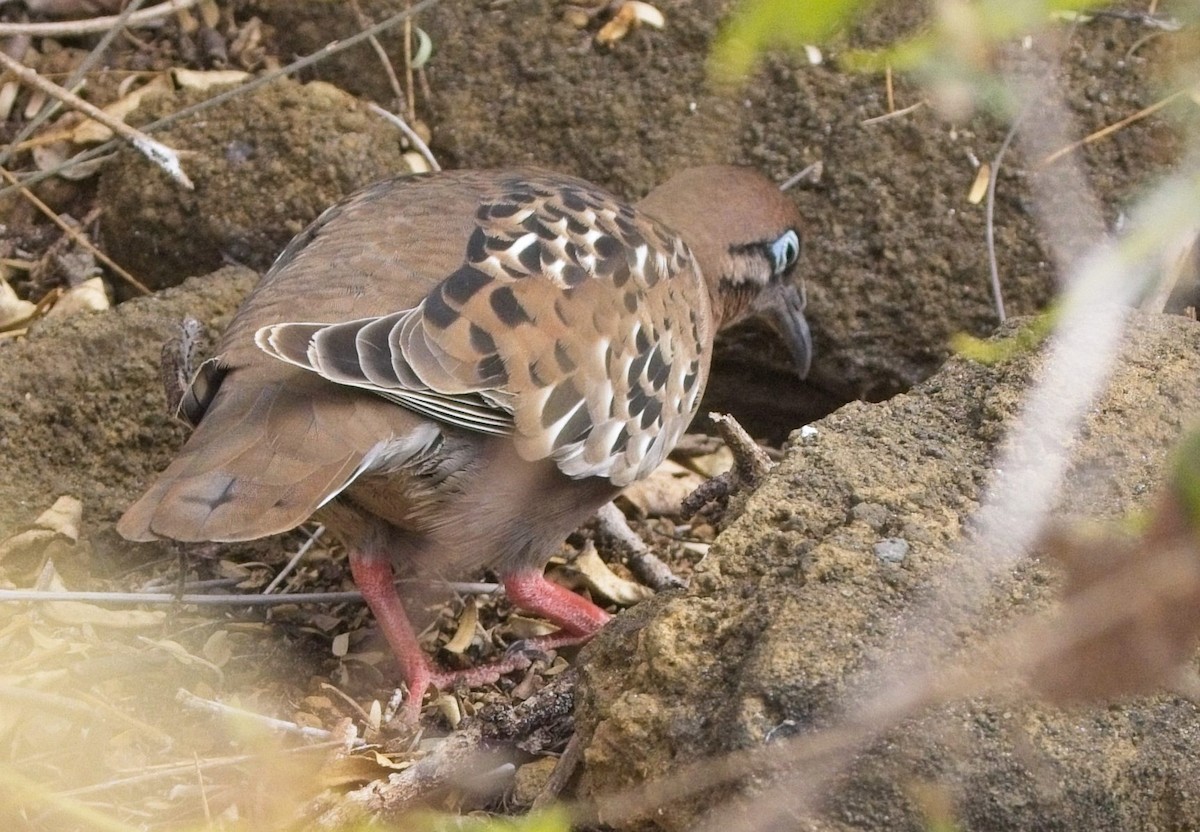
759,24
996,351
1185,476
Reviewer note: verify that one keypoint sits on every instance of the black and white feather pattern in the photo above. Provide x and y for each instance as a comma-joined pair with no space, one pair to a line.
575,323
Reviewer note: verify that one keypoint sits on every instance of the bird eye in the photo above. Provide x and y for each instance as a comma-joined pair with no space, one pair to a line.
784,251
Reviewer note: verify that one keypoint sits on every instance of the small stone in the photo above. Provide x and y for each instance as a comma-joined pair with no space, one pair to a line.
873,514
531,780
892,549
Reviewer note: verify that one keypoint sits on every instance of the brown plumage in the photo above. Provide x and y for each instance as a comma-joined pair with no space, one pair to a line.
458,369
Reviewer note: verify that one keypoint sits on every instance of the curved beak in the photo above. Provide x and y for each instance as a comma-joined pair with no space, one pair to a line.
783,309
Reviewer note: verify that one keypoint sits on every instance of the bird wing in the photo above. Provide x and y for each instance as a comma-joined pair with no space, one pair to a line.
574,322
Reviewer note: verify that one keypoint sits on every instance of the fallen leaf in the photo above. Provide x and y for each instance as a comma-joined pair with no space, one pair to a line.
191,79
661,493
465,633
604,582
88,296
628,17
90,131
14,312
64,517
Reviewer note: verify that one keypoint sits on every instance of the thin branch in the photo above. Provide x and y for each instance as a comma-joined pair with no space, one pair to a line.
810,172
215,600
990,219
195,703
420,145
73,81
261,80
74,233
155,151
150,773
380,52
92,25
893,114
646,566
296,558
1112,128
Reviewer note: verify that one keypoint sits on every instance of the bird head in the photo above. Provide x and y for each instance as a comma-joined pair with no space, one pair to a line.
744,233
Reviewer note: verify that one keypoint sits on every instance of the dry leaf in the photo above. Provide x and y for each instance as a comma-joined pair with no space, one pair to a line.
76,613
14,312
604,582
1130,616
217,648
191,79
713,464
627,18
661,493
88,296
449,708
93,132
64,517
519,626
980,185
465,633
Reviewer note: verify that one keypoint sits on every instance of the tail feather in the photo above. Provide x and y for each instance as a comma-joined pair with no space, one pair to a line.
261,461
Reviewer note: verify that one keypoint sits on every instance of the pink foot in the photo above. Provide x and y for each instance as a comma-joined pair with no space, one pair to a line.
579,618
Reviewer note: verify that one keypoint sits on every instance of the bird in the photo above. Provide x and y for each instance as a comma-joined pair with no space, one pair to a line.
455,370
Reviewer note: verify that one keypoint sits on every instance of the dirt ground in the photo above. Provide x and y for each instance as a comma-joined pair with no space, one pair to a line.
894,262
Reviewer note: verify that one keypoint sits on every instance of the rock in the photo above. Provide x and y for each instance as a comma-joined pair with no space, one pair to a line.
793,602
82,407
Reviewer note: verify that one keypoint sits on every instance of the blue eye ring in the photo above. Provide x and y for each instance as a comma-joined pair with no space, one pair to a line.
785,251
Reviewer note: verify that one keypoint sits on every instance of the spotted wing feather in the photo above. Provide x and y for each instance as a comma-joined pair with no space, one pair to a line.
575,323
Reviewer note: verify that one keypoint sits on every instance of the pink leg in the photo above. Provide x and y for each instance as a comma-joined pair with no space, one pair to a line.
579,617
373,575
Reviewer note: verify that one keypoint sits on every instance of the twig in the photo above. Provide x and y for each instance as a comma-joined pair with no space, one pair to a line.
420,145
208,103
411,99
159,598
644,564
465,757
751,464
989,211
74,233
291,564
79,73
193,702
811,172
380,52
891,115
570,759
150,773
1112,128
154,150
68,28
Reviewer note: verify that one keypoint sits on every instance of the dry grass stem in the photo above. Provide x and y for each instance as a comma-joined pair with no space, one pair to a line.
1112,128
893,114
215,101
420,145
155,151
189,700
75,234
93,25
643,563
294,561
